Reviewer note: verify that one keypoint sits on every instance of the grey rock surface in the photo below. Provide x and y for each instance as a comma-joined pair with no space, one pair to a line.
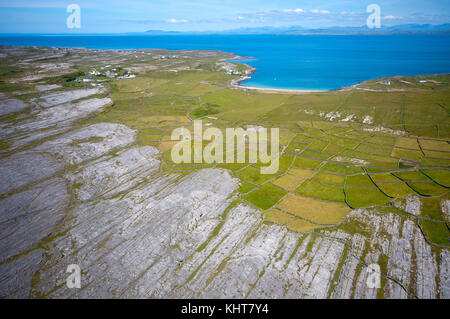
89,142
16,276
89,195
10,105
146,232
56,98
113,174
49,87
445,208
444,269
413,205
143,233
25,168
30,216
426,269
51,121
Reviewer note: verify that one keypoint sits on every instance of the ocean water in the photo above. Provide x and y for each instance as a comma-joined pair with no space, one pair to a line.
317,62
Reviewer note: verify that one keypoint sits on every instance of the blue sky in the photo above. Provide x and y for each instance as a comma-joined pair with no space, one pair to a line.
116,16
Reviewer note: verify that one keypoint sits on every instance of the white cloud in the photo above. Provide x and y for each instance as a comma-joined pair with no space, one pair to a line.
298,10
320,11
390,17
177,21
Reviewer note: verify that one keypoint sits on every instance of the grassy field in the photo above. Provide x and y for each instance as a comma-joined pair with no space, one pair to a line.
352,148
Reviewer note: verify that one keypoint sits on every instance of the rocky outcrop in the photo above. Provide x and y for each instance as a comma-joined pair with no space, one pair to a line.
10,105
56,98
139,239
91,195
137,232
88,142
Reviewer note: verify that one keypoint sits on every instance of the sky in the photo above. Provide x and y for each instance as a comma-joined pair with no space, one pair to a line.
121,16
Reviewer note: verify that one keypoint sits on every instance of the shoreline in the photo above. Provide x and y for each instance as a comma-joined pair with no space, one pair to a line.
280,90
236,83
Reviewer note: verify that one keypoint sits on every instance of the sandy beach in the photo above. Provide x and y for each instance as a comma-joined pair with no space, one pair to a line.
275,90
236,83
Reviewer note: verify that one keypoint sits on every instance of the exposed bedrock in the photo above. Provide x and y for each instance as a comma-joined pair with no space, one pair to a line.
88,142
445,275
56,98
76,191
30,216
22,169
27,218
91,196
35,196
10,105
108,176
173,236
51,121
398,245
54,114
16,276
133,242
143,234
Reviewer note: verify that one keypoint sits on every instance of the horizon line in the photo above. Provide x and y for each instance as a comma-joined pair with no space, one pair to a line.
275,30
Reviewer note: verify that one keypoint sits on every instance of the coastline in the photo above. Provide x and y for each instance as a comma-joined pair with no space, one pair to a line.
279,90
236,83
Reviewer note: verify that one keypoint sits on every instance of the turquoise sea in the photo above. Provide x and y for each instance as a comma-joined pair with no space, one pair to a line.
316,62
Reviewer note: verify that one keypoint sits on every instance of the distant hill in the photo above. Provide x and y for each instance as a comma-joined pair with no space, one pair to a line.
398,29
161,32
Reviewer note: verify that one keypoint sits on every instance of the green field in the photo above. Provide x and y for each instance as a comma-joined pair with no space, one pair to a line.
358,147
